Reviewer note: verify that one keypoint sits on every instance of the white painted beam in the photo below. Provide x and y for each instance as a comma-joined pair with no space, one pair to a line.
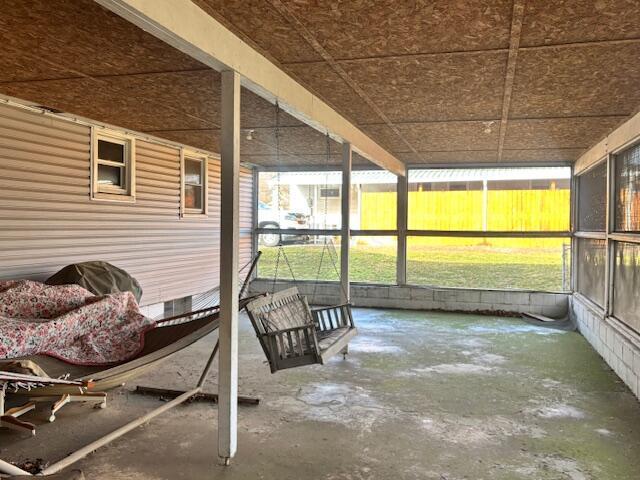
345,233
229,241
187,27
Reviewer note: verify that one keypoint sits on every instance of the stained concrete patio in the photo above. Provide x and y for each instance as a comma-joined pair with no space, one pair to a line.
422,396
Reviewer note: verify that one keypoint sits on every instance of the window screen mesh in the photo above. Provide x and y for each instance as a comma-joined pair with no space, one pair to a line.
591,267
628,190
626,301
592,200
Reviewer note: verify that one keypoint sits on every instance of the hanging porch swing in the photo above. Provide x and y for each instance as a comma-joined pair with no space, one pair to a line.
291,333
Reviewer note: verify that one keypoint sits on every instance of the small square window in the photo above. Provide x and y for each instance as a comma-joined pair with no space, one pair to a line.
113,175
194,185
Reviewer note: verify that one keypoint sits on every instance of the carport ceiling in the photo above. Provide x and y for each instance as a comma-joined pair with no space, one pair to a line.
441,81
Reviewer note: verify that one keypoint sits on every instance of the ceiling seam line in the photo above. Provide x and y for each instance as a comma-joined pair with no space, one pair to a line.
418,55
319,49
514,44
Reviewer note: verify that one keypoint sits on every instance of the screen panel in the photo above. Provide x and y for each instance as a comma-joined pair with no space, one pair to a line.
591,258
489,263
592,200
490,199
302,200
372,259
374,200
300,257
626,281
627,185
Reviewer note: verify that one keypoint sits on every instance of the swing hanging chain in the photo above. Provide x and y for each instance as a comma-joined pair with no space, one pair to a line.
279,199
281,251
327,243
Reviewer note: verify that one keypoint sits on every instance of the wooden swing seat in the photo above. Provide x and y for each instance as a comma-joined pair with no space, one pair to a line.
292,334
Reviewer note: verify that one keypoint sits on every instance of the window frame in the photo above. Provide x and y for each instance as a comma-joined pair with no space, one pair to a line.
401,232
111,192
185,155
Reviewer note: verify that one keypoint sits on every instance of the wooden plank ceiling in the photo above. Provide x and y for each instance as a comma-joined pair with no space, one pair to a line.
440,81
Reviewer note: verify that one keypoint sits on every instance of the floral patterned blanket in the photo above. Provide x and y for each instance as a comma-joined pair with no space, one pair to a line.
69,323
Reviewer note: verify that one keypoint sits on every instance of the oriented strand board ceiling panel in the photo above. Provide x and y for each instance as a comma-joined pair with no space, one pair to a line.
438,136
386,136
479,156
207,139
553,133
83,37
142,102
324,81
434,87
570,21
257,22
17,66
287,160
257,112
546,155
451,136
367,28
576,81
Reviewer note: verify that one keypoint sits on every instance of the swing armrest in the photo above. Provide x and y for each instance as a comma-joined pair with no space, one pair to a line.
333,317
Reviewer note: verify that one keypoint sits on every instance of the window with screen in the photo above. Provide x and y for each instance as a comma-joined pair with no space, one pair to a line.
194,183
300,200
374,201
490,199
627,189
592,199
591,261
626,281
112,166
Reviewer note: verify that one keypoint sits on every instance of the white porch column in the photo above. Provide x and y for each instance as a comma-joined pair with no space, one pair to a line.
345,233
229,239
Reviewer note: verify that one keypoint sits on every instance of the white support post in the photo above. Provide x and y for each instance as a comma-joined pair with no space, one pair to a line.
229,240
402,201
345,234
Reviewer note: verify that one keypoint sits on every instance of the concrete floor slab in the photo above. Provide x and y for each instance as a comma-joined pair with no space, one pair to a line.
421,396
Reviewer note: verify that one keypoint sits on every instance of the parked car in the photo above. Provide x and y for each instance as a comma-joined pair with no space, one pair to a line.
269,217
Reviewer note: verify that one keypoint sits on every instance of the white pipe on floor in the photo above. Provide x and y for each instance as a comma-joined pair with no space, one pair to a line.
6,467
87,449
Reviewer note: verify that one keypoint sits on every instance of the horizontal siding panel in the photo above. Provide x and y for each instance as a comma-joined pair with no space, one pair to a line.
43,121
27,168
73,143
13,180
50,221
44,158
24,146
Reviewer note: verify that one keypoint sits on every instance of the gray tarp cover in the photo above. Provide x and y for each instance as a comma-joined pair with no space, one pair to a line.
100,278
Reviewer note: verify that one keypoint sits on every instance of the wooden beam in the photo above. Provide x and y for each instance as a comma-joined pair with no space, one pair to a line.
229,241
345,230
514,45
187,27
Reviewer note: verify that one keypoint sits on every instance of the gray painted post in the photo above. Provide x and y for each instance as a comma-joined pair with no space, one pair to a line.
402,201
345,230
229,240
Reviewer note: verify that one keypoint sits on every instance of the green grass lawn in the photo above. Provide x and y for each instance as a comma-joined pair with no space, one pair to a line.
446,266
